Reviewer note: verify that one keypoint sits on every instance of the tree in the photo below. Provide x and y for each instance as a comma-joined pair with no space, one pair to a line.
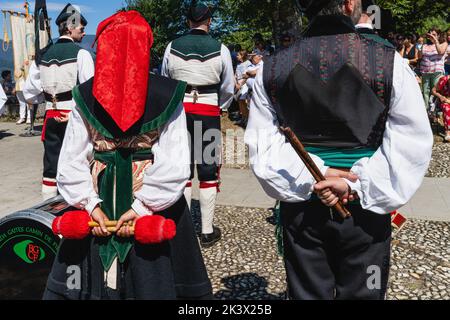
166,17
270,17
235,21
417,16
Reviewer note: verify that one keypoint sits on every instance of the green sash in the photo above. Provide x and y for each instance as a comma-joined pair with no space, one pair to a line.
341,158
118,173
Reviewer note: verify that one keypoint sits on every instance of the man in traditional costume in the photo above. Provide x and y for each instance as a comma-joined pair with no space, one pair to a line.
126,156
356,106
206,65
52,77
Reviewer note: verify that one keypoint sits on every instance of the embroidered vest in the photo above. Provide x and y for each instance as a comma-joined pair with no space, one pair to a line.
196,59
334,91
121,158
59,70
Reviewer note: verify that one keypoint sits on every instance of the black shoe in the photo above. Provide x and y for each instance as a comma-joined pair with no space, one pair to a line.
208,240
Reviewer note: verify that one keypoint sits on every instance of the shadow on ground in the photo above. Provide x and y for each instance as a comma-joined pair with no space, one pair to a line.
246,286
5,134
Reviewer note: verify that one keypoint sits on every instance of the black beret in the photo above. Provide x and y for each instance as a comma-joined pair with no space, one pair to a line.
199,11
70,11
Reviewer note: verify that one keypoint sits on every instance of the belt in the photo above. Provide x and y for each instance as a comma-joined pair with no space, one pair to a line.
214,88
59,97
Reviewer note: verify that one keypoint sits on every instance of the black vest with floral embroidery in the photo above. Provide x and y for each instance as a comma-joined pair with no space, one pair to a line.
332,87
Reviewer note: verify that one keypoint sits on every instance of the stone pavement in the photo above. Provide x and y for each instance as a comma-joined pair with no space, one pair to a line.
21,168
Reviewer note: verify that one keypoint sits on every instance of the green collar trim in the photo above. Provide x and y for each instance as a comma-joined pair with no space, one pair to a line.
162,119
154,124
88,115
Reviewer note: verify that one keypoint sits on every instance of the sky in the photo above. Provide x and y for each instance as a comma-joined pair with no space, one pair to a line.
94,11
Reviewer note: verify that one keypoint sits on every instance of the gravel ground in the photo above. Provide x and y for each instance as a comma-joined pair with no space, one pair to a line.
237,157
440,161
245,264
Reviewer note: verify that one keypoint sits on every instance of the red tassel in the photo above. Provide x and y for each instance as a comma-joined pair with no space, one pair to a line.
72,225
154,229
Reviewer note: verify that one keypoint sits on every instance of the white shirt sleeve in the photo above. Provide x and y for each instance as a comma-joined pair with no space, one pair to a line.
3,99
165,180
165,63
390,178
228,82
277,166
32,90
85,64
74,177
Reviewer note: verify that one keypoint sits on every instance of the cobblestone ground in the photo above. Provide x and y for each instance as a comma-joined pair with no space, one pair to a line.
235,153
440,161
245,264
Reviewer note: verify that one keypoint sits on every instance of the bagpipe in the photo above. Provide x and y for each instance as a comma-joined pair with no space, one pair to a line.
397,219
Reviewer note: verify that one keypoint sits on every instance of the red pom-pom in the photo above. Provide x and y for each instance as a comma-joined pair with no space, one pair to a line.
72,225
154,229
169,229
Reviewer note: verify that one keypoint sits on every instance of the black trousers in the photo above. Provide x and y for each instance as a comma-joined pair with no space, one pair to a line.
205,143
327,257
54,136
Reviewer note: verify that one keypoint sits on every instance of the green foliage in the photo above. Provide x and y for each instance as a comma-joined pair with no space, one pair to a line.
438,21
417,16
166,18
236,21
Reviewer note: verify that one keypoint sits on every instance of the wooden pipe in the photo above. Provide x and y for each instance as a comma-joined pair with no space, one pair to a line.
311,166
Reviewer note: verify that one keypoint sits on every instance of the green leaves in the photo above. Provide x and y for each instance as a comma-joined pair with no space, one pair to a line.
236,21
417,16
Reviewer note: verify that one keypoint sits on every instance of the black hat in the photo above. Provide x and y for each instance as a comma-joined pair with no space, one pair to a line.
72,12
199,11
366,4
313,7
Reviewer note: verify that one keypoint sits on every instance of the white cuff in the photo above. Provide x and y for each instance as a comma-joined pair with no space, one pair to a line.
324,170
92,204
140,208
355,186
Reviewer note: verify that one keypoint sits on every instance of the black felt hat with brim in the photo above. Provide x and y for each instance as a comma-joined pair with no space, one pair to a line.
72,13
199,11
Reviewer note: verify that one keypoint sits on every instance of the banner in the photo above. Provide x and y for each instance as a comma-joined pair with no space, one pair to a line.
22,30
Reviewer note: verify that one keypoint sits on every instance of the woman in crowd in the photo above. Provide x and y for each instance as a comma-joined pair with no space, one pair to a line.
442,92
409,51
447,61
432,57
241,87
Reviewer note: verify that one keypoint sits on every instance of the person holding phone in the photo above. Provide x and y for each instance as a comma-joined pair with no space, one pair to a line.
432,56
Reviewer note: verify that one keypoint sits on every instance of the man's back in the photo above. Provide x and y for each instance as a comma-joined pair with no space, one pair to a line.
196,59
323,72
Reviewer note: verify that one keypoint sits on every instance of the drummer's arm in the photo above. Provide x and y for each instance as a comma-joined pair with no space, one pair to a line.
74,177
